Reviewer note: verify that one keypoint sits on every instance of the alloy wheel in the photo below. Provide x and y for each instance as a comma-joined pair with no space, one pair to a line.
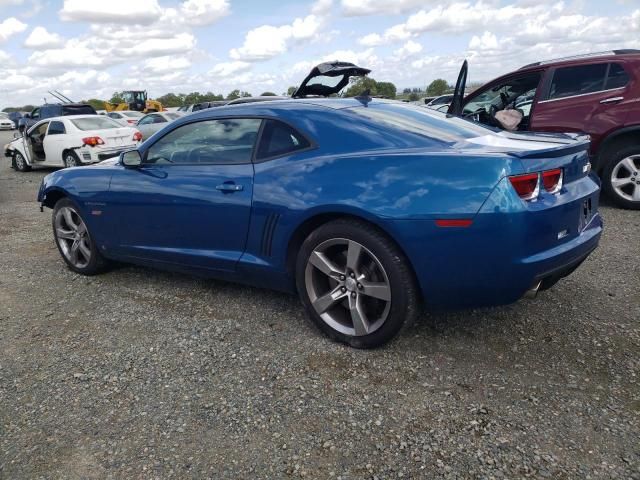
73,237
348,287
70,161
20,163
625,178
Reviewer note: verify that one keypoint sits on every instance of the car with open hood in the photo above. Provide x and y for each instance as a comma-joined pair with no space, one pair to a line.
596,94
366,208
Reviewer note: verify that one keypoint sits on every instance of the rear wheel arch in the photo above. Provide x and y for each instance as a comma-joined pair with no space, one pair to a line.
303,230
615,141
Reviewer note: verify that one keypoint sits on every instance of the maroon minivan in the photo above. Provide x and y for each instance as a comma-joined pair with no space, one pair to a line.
597,94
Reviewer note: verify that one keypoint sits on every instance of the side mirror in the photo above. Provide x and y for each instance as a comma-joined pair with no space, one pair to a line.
131,159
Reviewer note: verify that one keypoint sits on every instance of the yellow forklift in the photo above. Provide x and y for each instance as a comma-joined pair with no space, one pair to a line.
134,100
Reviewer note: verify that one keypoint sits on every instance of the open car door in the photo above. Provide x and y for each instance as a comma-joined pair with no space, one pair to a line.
458,94
328,78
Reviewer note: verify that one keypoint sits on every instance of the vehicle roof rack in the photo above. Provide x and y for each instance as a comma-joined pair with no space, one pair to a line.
626,51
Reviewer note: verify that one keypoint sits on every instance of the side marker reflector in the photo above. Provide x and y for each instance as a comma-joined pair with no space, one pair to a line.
464,222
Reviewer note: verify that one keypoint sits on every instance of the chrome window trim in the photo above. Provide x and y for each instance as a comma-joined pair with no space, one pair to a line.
582,95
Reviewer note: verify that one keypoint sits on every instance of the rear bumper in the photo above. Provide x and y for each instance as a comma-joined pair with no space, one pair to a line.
96,154
509,249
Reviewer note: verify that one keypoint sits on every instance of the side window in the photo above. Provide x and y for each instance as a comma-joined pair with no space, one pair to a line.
40,131
278,138
617,77
35,114
146,120
113,115
216,142
159,119
56,128
571,81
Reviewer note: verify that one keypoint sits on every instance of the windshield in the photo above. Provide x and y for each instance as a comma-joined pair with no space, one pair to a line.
130,97
94,123
133,114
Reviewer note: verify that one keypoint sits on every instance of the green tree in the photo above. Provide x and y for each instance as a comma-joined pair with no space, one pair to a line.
291,90
413,97
116,98
245,94
95,103
233,94
437,87
267,94
386,89
170,100
360,85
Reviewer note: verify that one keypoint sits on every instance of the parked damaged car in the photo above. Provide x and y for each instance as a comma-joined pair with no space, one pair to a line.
367,208
70,141
596,94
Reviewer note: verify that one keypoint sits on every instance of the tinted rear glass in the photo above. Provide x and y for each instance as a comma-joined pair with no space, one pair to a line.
617,78
172,116
571,81
95,123
78,110
279,139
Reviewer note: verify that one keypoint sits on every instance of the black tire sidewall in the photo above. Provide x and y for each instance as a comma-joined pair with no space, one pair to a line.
403,287
615,158
96,264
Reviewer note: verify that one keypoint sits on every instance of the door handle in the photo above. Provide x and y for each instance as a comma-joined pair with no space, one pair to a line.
612,100
229,187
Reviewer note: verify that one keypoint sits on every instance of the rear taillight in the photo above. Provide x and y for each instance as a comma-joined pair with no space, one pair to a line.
92,141
552,180
131,121
526,186
137,136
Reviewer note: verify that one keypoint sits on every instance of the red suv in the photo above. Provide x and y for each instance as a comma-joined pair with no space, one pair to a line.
597,94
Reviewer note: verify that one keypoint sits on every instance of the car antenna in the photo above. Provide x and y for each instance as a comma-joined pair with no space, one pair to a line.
64,96
53,94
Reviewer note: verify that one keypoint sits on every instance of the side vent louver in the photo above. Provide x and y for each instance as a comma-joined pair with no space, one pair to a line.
267,234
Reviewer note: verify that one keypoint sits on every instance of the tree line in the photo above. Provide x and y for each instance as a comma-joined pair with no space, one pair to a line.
357,86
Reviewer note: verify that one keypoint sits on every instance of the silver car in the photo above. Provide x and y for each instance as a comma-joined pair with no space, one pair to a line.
150,124
126,118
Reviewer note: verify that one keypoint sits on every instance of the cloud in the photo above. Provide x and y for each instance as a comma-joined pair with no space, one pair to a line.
40,38
10,27
322,7
137,12
391,35
165,64
376,7
488,41
227,69
203,12
408,49
267,41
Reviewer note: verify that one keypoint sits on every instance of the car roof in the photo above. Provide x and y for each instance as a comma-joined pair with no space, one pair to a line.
584,58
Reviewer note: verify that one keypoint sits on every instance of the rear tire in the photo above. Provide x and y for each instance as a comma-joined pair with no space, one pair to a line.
20,163
70,159
74,241
355,284
621,177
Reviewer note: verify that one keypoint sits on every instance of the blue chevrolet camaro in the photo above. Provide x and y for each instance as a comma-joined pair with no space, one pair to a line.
367,208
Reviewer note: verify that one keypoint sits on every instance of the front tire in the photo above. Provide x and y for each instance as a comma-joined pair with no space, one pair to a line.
20,163
355,284
621,177
73,239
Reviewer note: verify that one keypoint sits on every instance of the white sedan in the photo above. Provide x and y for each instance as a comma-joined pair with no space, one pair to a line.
71,141
6,123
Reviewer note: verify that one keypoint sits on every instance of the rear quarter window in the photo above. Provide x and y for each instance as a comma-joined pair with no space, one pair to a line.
578,80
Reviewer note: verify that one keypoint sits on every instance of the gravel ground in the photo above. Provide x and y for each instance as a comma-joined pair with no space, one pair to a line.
144,374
